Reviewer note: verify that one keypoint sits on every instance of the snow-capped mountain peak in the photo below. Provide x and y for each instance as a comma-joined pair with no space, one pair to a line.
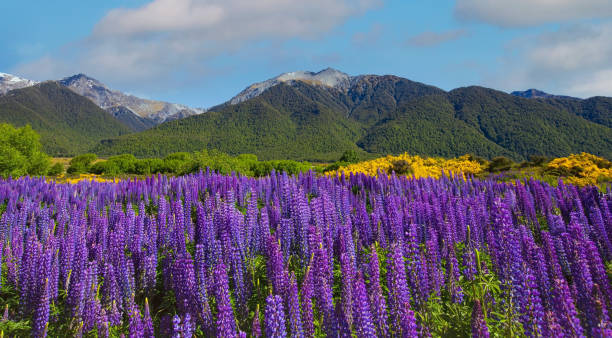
9,82
109,99
328,77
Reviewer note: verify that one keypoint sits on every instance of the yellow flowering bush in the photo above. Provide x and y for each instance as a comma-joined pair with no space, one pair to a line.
83,177
581,169
418,166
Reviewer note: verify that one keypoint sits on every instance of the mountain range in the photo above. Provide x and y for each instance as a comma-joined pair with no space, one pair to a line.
317,116
137,113
67,122
116,101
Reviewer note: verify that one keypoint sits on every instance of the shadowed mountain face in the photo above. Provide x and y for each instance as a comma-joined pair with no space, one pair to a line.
133,121
67,122
317,116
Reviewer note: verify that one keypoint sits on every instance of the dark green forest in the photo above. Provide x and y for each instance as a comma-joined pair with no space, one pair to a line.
383,115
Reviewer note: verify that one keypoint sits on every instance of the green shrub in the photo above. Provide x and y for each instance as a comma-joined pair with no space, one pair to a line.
350,156
499,164
81,164
335,166
538,160
106,168
21,152
401,167
125,162
262,168
56,170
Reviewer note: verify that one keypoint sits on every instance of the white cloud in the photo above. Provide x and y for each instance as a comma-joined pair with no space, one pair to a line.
166,37
428,39
516,13
599,83
574,61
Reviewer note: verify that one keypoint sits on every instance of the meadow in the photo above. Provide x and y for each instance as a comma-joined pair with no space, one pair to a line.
209,254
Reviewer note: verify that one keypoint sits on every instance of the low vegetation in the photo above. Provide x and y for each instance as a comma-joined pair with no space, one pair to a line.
21,152
184,163
579,169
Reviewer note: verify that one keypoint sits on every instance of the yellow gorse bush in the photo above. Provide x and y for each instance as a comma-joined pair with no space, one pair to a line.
420,166
83,177
585,169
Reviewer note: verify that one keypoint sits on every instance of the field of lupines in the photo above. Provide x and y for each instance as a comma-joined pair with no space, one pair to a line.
214,255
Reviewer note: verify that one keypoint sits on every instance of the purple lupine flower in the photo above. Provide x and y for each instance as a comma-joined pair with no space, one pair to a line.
404,323
256,327
226,325
183,278
433,262
277,273
114,316
177,328
148,330
479,326
187,327
307,294
275,317
598,272
553,329
41,316
600,314
363,318
530,304
136,325
453,276
295,318
564,309
202,288
348,277
377,299
323,290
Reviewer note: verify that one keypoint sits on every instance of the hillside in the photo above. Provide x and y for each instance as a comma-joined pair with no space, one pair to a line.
67,122
526,126
284,122
427,126
318,120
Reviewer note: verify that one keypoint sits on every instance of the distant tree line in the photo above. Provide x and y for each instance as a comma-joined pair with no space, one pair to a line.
182,163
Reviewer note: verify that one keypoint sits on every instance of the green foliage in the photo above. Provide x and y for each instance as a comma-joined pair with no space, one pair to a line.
381,115
401,167
56,170
350,156
81,163
538,160
335,166
596,109
185,163
11,328
68,123
286,122
21,152
108,168
499,164
529,127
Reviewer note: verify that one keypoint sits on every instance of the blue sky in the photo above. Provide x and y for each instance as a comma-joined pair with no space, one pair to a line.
202,52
